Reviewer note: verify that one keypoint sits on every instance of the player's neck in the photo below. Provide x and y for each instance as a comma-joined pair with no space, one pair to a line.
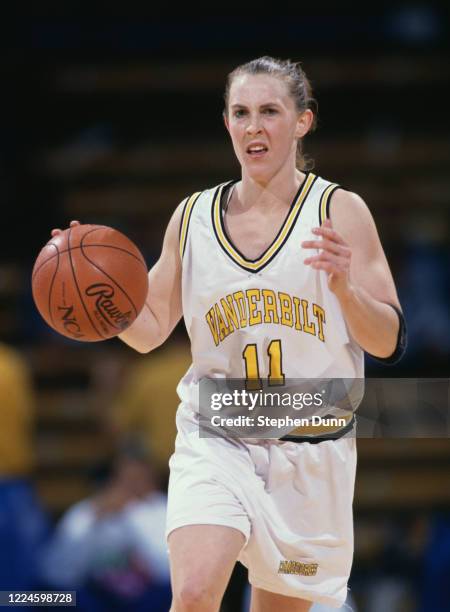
277,192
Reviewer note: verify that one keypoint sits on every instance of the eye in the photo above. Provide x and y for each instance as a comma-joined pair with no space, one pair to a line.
270,111
239,113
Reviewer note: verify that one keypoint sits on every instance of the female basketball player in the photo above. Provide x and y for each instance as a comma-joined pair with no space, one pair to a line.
280,272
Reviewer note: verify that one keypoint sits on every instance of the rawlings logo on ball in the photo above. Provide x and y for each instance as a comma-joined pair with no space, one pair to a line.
106,307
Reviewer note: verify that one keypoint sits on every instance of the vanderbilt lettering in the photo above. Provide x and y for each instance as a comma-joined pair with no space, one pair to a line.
256,307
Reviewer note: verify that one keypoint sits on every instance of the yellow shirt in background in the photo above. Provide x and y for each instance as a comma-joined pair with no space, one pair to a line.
16,410
147,404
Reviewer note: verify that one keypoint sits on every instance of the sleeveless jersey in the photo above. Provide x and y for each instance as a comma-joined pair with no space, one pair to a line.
269,317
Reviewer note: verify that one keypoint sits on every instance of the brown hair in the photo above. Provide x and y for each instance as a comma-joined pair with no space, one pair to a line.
298,86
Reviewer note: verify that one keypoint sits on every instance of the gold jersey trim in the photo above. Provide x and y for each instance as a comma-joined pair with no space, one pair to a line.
324,204
281,238
315,431
185,220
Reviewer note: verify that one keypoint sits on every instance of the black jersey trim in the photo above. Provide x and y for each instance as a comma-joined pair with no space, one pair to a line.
324,204
322,438
256,265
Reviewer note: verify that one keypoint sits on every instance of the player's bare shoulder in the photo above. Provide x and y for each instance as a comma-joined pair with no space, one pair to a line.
350,216
174,225
344,202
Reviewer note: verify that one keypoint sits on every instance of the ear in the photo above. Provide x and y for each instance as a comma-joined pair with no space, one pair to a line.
304,123
225,120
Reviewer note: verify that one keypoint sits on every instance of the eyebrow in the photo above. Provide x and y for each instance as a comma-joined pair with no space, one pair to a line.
261,106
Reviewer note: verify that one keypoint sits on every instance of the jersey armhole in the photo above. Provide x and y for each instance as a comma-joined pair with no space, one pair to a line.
324,203
185,220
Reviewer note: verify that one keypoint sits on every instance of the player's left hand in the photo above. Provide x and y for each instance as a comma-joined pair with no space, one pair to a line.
57,231
334,257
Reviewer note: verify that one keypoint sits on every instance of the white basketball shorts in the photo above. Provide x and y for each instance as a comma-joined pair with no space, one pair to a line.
292,501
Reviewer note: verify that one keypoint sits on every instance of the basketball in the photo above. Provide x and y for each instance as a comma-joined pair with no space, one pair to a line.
90,282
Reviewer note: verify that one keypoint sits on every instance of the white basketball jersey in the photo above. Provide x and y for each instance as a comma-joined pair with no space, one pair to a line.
273,317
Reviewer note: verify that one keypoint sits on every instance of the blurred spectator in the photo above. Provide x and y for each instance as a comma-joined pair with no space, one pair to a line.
111,547
436,566
22,522
394,582
16,396
147,403
424,288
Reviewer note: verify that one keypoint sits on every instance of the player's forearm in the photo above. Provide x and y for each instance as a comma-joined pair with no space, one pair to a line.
373,324
145,333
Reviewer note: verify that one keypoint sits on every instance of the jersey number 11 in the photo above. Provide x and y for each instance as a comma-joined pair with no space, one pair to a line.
252,378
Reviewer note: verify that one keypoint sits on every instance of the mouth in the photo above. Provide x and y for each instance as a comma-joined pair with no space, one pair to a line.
256,151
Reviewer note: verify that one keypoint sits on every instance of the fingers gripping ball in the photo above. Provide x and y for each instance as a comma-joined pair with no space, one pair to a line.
90,282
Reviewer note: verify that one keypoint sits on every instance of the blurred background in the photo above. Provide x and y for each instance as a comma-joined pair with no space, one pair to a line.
114,120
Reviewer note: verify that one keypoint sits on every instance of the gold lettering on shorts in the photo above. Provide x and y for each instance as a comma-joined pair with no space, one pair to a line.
296,567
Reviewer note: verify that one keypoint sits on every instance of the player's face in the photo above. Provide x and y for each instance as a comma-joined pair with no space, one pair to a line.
264,125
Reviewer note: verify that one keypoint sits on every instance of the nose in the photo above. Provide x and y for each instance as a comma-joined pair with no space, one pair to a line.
254,125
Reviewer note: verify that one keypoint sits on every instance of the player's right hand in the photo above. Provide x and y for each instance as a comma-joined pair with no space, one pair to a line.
57,231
